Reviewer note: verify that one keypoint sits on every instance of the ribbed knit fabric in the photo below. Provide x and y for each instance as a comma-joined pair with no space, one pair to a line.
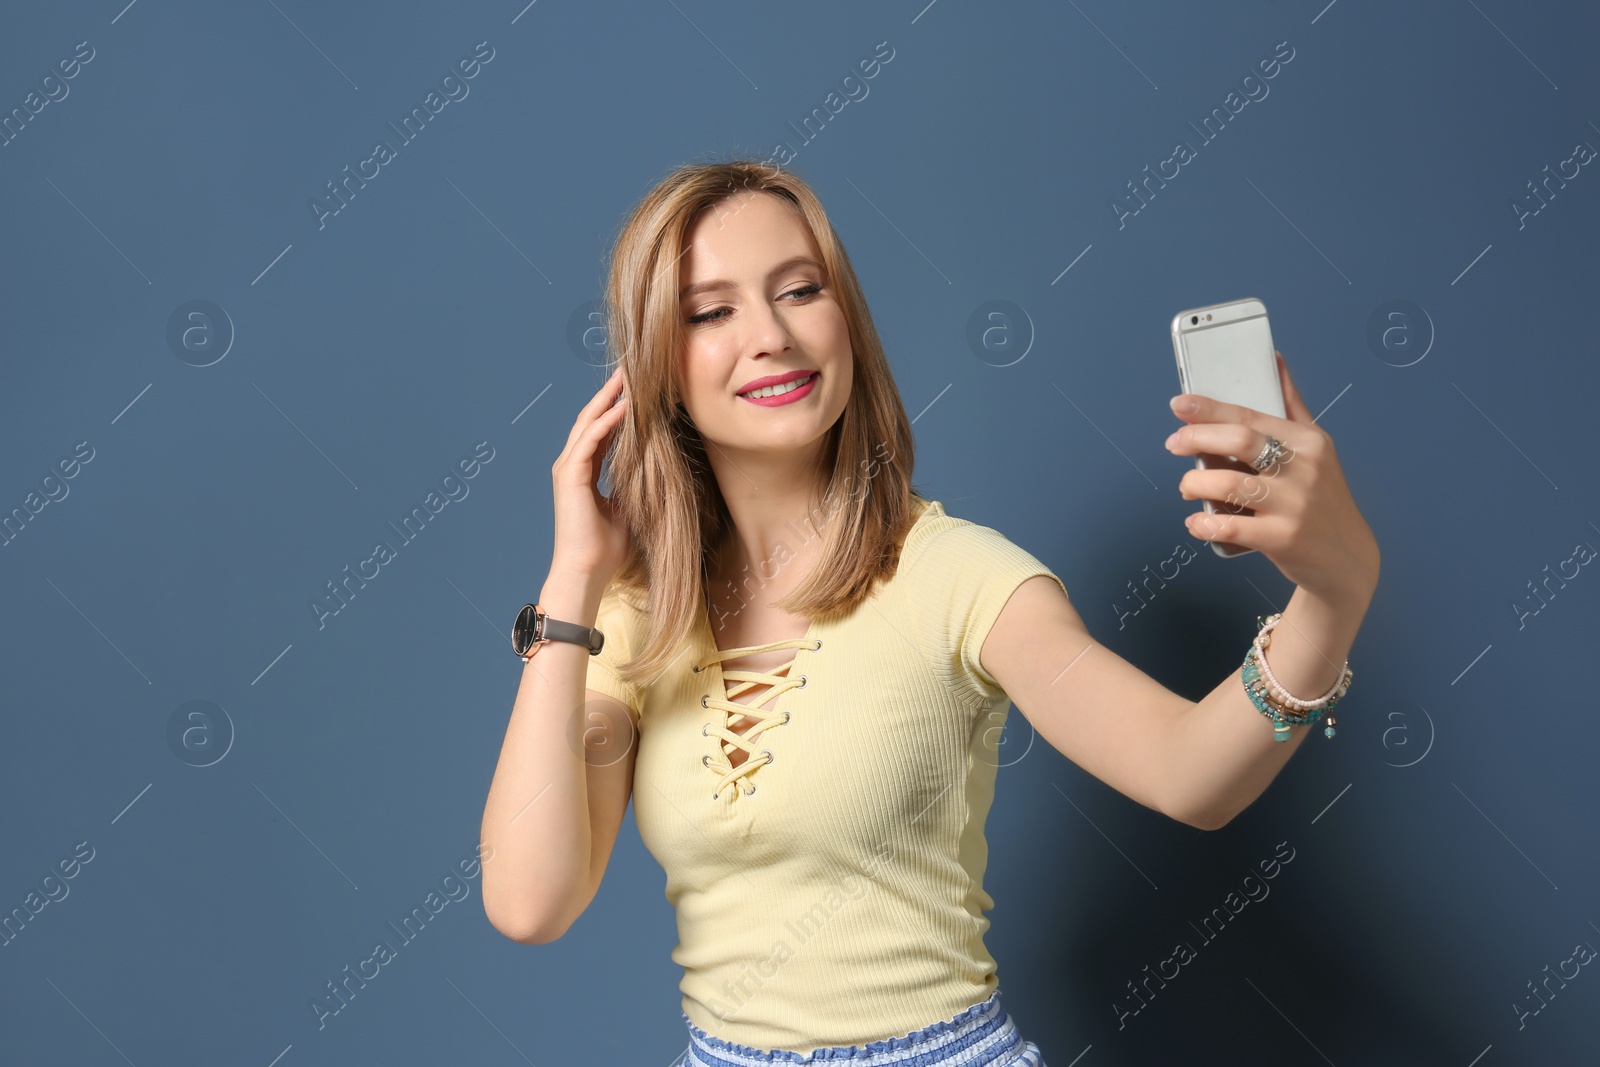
842,900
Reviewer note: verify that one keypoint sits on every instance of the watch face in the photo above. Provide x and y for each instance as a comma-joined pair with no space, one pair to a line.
522,633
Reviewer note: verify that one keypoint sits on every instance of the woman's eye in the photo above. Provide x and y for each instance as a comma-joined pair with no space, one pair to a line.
715,314
805,291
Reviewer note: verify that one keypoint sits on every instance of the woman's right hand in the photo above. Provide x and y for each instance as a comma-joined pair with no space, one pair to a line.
591,539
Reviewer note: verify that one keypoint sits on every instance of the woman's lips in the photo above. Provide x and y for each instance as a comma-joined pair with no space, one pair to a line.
786,398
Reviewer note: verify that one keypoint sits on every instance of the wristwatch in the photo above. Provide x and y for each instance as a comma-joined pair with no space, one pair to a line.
533,628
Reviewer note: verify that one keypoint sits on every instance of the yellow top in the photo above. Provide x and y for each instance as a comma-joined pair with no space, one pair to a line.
829,889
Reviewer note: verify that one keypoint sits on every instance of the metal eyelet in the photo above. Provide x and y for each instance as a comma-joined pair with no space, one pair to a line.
703,698
818,646
696,669
705,761
767,752
703,728
802,684
786,716
751,791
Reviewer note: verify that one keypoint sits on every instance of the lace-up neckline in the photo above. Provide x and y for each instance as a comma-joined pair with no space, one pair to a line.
779,680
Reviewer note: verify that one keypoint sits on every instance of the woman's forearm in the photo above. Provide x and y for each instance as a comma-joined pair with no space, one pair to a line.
536,816
1222,754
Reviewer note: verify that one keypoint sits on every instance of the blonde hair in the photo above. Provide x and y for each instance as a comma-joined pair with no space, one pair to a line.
662,483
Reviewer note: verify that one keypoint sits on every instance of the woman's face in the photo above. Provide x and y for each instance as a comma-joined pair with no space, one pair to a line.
772,313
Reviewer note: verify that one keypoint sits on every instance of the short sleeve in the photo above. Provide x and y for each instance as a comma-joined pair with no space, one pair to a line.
614,620
961,581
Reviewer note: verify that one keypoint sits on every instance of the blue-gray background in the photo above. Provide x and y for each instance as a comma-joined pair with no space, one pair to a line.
1443,842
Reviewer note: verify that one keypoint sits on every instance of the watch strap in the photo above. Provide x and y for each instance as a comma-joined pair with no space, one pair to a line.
556,630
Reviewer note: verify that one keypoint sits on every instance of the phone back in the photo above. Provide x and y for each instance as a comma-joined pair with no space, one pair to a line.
1229,357
1225,352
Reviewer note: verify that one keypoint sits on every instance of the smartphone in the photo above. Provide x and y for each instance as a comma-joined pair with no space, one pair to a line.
1225,352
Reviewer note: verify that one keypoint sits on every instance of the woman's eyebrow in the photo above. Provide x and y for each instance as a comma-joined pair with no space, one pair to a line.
705,287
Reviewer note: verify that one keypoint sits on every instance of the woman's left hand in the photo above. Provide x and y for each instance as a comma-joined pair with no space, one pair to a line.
1305,520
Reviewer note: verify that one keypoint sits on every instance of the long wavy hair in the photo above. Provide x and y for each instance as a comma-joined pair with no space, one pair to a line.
663,485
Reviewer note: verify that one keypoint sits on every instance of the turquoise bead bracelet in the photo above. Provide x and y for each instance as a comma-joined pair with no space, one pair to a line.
1263,693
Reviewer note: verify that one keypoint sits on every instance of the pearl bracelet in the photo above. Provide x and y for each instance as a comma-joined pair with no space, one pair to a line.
1263,639
1277,703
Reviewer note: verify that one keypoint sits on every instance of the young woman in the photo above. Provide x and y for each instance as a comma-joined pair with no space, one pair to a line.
804,659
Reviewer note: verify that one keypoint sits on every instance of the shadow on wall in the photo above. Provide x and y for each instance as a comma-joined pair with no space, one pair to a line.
1271,899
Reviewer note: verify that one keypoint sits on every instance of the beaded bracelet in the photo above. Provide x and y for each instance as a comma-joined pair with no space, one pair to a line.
1263,639
1275,702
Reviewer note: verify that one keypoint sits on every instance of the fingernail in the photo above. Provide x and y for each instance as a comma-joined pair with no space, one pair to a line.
1185,403
1172,440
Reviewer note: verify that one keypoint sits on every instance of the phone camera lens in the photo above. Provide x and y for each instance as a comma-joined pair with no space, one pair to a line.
1194,319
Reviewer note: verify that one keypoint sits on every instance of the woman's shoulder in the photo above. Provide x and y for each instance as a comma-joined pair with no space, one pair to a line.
619,619
940,540
958,568
956,576
622,606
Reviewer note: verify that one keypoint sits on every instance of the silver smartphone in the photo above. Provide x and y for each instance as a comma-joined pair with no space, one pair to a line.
1225,352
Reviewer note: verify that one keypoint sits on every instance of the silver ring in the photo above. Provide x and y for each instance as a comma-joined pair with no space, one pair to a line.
1269,455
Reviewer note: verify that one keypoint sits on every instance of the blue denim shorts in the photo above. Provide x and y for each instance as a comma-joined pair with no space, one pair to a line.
981,1036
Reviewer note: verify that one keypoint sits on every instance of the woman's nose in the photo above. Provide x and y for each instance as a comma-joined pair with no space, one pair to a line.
768,331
